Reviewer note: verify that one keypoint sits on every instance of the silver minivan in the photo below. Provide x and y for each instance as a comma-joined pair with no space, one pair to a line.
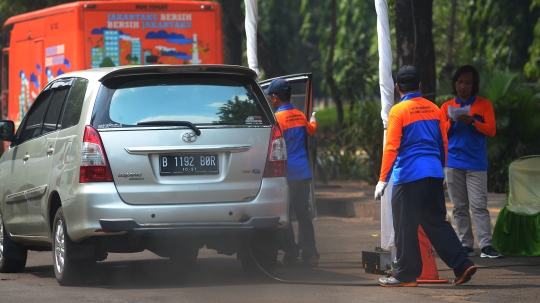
164,158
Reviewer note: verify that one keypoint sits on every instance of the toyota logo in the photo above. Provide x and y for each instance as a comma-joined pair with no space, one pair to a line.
189,137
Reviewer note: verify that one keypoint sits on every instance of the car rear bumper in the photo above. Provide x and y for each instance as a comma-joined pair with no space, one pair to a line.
122,225
98,210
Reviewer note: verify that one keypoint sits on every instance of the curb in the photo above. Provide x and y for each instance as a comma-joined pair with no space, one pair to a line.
353,199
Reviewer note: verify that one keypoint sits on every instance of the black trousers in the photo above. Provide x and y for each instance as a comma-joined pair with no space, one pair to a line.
421,202
299,192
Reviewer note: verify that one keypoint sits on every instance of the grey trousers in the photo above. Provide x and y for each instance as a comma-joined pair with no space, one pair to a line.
468,188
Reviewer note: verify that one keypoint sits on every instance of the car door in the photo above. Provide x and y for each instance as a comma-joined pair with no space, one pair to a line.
302,99
13,188
16,210
41,152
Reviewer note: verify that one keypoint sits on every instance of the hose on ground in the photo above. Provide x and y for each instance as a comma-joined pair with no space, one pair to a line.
307,282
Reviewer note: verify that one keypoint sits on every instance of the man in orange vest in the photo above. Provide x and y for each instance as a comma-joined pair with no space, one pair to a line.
414,155
295,128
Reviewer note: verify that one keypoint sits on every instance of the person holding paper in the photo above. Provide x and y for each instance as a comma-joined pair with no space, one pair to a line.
466,169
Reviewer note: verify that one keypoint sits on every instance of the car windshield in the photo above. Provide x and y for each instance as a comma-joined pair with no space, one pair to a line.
202,100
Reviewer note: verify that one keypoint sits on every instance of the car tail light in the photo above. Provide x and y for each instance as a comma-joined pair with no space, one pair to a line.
276,164
94,165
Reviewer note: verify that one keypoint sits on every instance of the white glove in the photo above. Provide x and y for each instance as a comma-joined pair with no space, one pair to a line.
379,189
312,119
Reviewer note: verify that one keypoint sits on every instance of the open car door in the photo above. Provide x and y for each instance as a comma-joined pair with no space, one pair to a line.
302,99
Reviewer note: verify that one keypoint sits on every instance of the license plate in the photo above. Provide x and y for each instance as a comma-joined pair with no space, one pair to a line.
189,164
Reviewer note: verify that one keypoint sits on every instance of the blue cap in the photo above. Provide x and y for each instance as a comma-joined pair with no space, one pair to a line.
278,86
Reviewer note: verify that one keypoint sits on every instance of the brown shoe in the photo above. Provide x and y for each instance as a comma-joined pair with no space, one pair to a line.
466,276
392,282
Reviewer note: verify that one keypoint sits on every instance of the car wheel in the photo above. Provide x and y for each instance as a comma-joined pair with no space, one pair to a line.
264,247
67,269
12,257
185,258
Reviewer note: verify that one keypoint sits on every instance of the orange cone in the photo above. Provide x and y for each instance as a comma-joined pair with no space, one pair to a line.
429,268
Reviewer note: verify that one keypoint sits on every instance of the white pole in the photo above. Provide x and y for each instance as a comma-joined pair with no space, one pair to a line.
251,35
387,101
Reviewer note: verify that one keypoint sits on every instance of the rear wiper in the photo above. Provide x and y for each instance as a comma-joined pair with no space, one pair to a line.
173,123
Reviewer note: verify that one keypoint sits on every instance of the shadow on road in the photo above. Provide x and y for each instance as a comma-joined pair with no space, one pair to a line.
158,273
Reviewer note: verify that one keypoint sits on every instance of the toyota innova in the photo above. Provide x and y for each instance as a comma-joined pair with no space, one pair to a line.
162,158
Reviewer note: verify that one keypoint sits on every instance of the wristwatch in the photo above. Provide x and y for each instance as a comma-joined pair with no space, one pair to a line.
472,123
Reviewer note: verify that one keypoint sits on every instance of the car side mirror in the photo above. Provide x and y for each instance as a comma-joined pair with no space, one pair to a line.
7,130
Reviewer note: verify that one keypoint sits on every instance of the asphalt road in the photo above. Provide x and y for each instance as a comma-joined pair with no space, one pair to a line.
144,277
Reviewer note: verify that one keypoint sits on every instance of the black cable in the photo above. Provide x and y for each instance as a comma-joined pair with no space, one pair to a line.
306,282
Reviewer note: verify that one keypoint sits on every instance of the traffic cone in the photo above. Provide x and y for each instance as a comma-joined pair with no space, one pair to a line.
429,268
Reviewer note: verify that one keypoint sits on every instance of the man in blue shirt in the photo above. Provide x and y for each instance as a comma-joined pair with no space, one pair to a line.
414,155
295,128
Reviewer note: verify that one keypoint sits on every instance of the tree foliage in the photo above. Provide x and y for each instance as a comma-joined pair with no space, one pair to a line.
516,108
353,64
532,67
234,39
449,38
501,31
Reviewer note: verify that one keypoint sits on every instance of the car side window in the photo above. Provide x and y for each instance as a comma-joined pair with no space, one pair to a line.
55,108
74,103
34,119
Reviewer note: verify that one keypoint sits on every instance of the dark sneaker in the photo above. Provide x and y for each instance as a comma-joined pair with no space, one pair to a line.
392,282
292,263
470,251
490,252
311,262
466,276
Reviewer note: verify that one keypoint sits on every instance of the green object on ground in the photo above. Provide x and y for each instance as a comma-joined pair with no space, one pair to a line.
517,231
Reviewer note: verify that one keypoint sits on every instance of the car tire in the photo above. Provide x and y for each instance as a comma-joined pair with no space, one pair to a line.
12,256
264,247
67,269
184,258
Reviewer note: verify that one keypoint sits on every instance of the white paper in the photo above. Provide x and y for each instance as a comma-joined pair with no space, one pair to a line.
454,112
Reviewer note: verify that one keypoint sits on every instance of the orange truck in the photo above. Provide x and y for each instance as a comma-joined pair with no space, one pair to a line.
43,44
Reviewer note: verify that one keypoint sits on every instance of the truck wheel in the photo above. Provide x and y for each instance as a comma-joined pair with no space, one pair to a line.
12,256
265,250
67,269
185,258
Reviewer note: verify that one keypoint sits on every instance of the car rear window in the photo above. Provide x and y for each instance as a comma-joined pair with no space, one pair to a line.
200,100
